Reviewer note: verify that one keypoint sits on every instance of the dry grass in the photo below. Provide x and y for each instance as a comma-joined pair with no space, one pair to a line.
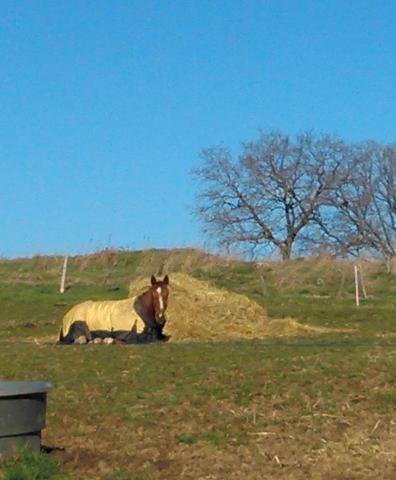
288,327
184,260
199,311
321,274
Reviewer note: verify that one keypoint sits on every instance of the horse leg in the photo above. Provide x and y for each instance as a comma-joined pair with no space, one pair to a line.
78,331
147,319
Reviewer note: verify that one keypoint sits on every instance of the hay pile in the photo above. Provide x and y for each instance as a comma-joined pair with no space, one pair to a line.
199,311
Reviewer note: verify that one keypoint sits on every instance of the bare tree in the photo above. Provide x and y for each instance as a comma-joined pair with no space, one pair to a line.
269,196
362,216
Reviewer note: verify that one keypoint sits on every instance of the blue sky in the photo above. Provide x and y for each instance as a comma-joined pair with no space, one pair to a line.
105,105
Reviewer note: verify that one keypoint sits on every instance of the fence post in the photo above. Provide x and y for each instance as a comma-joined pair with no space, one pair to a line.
63,279
356,287
362,283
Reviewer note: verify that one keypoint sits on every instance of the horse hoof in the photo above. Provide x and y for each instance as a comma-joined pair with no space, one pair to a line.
80,340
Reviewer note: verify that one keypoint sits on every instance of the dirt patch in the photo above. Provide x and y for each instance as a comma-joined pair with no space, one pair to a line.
199,311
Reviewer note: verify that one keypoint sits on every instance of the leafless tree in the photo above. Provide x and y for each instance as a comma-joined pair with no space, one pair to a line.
362,216
269,196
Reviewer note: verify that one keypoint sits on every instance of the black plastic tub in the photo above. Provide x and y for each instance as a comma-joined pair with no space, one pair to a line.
22,414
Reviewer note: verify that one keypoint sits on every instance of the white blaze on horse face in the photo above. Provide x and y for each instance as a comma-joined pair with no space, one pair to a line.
161,300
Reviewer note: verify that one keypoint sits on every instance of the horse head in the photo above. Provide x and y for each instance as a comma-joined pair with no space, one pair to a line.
159,296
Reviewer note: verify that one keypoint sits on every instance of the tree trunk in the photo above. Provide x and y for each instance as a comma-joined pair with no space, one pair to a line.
285,250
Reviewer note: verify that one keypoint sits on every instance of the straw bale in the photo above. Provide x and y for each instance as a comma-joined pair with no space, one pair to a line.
199,311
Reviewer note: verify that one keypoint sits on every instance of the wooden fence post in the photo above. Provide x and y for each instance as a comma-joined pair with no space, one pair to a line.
63,279
356,286
362,283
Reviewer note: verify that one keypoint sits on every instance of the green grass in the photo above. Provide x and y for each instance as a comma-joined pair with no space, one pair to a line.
27,466
149,412
122,475
238,391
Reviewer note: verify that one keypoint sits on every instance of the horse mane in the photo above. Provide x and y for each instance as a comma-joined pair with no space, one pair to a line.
141,300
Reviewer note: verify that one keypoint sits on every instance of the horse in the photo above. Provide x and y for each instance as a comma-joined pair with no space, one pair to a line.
140,319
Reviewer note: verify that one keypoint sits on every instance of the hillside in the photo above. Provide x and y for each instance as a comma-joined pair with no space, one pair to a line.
107,267
320,275
317,291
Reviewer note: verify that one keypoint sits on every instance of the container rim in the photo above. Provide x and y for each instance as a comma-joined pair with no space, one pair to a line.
12,388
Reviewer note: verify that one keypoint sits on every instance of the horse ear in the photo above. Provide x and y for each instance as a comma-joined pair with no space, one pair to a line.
153,280
166,280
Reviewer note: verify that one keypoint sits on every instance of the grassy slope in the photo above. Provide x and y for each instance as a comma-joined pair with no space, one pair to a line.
315,291
300,408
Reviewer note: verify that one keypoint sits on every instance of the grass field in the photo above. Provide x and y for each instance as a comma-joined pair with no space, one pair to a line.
288,408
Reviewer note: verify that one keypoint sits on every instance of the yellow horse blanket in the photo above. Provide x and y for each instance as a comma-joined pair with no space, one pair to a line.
104,315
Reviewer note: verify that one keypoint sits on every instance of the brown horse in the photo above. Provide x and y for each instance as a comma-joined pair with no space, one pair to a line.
152,304
134,320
